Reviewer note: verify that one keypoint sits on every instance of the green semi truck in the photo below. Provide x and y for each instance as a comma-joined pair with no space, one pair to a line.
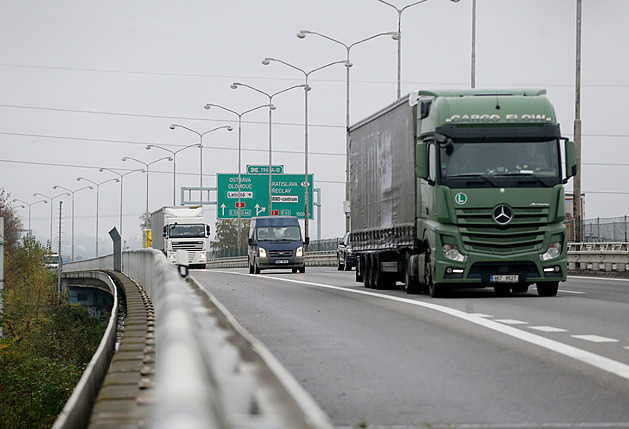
461,189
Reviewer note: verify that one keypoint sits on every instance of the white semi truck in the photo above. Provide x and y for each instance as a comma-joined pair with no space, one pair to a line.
176,228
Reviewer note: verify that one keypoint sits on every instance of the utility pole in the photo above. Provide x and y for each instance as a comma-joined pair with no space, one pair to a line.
576,184
1,272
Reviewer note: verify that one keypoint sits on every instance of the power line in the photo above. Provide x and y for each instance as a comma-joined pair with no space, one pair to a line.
140,115
94,140
195,75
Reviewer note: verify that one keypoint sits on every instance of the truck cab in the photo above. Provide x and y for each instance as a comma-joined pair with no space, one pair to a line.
275,242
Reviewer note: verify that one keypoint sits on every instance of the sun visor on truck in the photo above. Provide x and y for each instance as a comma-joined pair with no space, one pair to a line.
541,132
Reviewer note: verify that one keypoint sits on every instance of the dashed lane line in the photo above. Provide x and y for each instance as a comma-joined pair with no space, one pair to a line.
601,362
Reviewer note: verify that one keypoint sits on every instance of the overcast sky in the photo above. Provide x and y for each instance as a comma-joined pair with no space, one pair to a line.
83,84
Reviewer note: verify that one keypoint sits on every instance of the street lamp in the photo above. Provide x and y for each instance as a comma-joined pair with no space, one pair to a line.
302,34
51,209
97,198
147,165
200,145
307,88
72,192
121,175
29,210
235,85
473,65
240,115
174,156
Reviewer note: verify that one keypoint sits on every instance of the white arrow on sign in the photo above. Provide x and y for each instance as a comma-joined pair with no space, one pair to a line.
223,209
259,209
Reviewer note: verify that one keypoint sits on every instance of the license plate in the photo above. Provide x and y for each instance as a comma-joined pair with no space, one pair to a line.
512,278
282,261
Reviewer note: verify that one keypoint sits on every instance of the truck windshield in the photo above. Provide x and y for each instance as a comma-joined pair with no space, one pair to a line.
187,231
500,164
278,233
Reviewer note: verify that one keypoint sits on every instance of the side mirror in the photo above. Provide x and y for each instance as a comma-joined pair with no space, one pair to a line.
307,240
164,234
207,230
421,160
571,159
250,241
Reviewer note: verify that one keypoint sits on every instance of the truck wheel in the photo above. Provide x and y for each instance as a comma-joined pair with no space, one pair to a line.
411,285
435,290
367,274
359,270
256,269
547,289
348,267
302,269
250,267
380,280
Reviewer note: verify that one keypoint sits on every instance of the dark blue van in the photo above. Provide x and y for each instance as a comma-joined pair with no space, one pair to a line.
275,242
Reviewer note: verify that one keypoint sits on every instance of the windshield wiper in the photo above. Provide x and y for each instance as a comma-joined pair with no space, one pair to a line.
485,178
533,176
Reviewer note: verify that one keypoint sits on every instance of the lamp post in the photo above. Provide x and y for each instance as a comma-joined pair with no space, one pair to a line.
302,34
51,208
240,115
72,192
147,165
473,65
174,156
307,88
97,198
200,145
29,210
121,175
235,85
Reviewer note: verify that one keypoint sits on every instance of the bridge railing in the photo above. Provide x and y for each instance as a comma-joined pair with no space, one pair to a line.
204,367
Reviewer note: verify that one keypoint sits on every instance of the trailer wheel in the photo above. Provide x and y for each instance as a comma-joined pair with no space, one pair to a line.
367,272
547,289
359,272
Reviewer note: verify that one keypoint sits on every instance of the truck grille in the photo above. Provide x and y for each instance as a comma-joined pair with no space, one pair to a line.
188,245
524,233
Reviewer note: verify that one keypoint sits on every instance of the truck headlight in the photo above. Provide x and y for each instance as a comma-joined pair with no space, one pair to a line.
554,251
262,252
450,251
203,256
299,251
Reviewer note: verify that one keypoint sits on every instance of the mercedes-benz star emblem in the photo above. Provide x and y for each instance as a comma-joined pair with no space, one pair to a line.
503,215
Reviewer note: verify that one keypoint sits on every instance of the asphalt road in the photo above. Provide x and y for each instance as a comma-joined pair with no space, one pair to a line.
391,360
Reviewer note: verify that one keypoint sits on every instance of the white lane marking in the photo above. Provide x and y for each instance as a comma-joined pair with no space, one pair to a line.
595,338
510,322
481,315
548,329
609,365
572,291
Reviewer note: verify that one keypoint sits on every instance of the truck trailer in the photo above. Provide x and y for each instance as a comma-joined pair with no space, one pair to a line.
461,189
180,228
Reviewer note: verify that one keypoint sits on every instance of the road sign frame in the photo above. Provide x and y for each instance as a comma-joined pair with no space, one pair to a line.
288,195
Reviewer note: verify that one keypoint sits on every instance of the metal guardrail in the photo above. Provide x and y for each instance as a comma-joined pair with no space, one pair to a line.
326,258
209,374
603,256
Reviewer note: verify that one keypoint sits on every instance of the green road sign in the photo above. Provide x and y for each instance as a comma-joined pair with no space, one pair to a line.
287,191
264,169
